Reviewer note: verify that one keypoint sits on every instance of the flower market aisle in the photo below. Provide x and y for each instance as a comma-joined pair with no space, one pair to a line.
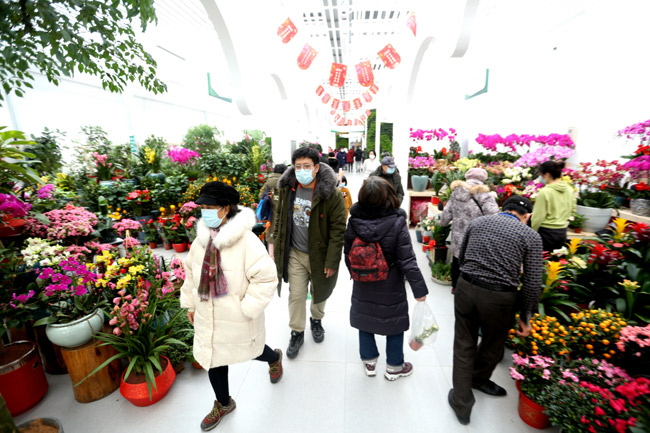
324,389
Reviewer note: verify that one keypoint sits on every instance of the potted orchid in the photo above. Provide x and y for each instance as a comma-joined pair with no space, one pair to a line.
104,169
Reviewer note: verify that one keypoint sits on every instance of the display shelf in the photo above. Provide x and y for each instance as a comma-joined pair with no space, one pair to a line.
628,215
425,193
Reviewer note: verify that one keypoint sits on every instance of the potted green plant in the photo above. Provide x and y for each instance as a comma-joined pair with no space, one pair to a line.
576,221
596,207
441,273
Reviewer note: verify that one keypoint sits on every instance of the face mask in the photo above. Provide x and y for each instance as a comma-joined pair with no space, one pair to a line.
372,156
304,176
541,180
390,170
211,218
342,185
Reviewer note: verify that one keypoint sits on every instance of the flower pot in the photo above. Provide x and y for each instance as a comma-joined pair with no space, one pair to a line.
106,183
196,365
531,413
415,344
180,248
77,332
42,424
418,235
640,206
11,227
160,177
143,219
435,201
138,394
153,245
577,229
133,182
441,282
167,245
22,379
419,182
440,254
426,237
596,219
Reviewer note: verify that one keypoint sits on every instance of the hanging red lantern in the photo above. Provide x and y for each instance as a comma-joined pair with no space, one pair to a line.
365,74
333,112
337,74
320,90
306,57
368,113
374,89
364,118
357,122
357,103
346,106
367,97
326,98
335,103
349,122
390,56
337,117
287,30
410,22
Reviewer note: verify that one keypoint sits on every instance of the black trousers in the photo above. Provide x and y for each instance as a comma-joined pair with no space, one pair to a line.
552,239
219,375
455,271
493,312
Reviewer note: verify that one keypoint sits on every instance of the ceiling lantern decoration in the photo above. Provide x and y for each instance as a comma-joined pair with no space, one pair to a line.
306,57
337,74
287,31
389,56
365,74
320,90
346,106
410,22
335,103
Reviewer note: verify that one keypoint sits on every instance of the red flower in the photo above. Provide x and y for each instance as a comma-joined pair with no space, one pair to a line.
599,411
642,186
603,186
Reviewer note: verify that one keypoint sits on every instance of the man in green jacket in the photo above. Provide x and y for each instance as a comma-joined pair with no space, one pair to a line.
309,224
388,171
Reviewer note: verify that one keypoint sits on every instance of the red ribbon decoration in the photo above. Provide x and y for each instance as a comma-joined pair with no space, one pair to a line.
390,56
320,90
346,106
365,74
368,113
326,98
335,103
374,89
367,97
306,57
287,30
410,22
357,103
337,74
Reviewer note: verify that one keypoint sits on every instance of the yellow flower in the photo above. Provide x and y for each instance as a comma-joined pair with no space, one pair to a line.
149,154
553,270
162,210
619,224
573,245
172,207
630,286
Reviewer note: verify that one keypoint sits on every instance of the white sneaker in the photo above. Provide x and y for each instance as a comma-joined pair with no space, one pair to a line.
394,373
370,367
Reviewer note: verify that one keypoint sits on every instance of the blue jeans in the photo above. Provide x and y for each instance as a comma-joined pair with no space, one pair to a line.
394,348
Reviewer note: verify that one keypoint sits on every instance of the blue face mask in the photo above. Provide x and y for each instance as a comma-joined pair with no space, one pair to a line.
211,217
541,180
390,170
304,176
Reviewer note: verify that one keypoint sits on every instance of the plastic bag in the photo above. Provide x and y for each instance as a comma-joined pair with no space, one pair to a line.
424,329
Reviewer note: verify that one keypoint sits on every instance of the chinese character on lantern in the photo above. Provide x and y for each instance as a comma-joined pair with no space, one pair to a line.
389,56
306,57
337,75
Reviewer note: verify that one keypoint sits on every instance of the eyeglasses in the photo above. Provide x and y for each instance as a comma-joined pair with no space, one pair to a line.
304,167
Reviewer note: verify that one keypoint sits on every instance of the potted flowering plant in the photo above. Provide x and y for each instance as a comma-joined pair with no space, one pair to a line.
125,226
140,202
188,213
171,231
639,195
634,346
151,233
596,208
103,168
12,212
70,225
533,375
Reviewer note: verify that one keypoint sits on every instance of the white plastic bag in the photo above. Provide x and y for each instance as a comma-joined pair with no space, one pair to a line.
424,327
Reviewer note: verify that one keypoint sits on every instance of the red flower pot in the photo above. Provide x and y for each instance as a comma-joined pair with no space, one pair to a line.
22,379
435,200
153,245
138,394
577,230
532,413
180,248
167,245
11,227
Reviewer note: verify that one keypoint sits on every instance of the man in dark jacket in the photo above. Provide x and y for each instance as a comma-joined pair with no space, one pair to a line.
358,159
388,171
491,257
308,232
342,158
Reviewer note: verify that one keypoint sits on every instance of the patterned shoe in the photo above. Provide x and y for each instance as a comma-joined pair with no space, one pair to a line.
213,419
275,368
394,373
370,367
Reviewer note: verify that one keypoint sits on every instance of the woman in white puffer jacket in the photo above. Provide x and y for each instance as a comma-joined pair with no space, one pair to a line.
230,279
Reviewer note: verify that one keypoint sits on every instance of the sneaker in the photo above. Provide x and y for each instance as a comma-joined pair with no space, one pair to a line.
213,419
297,339
275,368
395,374
317,330
370,367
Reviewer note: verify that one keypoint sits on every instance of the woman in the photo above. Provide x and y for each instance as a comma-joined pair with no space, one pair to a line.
347,196
230,280
554,205
350,158
470,199
370,165
381,307
333,162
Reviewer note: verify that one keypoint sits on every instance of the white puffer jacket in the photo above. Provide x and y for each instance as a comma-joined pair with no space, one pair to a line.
230,329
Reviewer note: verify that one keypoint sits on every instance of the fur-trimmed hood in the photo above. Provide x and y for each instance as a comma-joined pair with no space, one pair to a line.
232,231
464,191
325,181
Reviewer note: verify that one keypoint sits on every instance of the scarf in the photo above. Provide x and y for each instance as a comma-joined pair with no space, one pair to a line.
213,282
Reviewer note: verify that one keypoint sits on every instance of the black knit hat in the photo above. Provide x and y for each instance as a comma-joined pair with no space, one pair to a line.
519,204
217,194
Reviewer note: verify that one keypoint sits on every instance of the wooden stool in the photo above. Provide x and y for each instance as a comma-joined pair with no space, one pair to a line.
82,360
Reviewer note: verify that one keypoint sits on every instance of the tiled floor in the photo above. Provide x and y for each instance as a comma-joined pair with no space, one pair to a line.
323,390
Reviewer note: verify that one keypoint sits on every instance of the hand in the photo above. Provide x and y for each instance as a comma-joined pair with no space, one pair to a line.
422,299
329,272
271,250
523,329
190,316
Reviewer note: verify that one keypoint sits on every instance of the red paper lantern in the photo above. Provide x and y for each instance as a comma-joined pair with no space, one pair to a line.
365,74
326,98
349,123
357,122
390,56
320,90
367,97
364,118
333,112
287,30
374,89
337,117
306,57
337,74
335,103
346,106
357,103
368,113
410,22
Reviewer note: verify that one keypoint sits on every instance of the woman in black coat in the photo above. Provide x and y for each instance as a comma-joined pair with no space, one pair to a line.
381,307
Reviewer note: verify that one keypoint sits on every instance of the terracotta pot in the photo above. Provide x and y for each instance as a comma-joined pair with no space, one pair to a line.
577,230
11,227
138,393
22,379
415,344
42,424
153,245
167,245
196,365
531,413
180,248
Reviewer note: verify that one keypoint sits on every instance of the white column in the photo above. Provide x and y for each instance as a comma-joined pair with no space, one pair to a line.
401,145
377,135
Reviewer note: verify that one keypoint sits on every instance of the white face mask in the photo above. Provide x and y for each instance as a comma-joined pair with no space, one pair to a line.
372,156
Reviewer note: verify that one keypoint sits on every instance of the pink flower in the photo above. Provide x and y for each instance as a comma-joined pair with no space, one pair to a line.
516,375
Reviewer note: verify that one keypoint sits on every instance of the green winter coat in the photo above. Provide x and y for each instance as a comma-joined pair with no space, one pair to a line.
326,230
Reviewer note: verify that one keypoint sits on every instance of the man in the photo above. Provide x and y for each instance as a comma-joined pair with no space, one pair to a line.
388,171
358,159
308,233
491,257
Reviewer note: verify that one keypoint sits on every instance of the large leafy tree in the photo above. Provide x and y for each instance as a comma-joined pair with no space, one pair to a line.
57,37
